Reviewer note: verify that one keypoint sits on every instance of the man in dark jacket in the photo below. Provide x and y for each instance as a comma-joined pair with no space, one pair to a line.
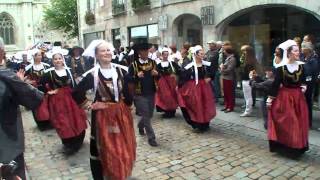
311,72
14,92
142,76
212,56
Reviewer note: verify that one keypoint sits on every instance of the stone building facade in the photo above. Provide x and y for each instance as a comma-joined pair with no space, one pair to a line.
261,23
22,25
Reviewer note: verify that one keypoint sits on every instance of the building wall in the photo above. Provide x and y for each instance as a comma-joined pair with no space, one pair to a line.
224,12
29,26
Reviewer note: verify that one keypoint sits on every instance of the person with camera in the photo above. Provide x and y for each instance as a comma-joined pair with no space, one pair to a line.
13,92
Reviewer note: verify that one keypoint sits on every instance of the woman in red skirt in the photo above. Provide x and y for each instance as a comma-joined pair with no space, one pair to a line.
112,142
288,113
66,116
166,99
34,72
195,94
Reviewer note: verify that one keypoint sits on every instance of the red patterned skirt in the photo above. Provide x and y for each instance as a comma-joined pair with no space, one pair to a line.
198,100
66,116
166,96
288,122
116,140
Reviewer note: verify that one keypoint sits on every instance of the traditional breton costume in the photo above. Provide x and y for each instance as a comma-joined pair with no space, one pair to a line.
34,72
195,96
65,115
288,123
22,62
112,142
166,96
144,89
80,64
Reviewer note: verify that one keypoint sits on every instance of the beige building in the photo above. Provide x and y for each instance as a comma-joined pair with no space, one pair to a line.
22,25
261,23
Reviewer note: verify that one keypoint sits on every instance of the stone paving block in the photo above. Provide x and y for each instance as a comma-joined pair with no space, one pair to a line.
176,167
265,177
297,178
241,174
152,169
174,162
255,175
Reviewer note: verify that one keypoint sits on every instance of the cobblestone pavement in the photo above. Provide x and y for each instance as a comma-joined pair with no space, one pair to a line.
227,151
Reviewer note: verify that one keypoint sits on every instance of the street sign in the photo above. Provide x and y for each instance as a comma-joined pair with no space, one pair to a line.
207,15
163,22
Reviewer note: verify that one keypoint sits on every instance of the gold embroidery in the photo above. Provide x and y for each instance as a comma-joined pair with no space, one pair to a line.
295,76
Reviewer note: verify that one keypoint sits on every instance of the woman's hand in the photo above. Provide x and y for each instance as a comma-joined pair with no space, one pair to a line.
154,73
269,102
21,74
207,80
221,66
140,74
52,92
303,88
99,106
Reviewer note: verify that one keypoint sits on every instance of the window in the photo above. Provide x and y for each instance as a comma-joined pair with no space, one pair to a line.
6,29
153,30
92,36
116,38
148,33
101,3
91,5
139,31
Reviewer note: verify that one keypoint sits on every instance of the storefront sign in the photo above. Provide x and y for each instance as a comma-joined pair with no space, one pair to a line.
163,22
207,15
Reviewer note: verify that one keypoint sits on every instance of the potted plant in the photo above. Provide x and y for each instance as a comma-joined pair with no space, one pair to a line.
138,5
90,18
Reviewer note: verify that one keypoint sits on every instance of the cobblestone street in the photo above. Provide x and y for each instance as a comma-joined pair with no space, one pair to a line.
228,151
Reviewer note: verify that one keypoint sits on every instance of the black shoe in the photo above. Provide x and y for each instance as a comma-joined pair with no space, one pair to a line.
223,109
69,151
167,116
141,131
228,110
153,142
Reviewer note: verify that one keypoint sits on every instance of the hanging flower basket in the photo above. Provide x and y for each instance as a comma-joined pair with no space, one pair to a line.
90,18
140,5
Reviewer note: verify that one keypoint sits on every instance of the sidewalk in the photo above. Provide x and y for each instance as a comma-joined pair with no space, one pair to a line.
256,122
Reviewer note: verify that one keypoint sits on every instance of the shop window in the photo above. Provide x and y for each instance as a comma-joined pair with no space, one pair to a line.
147,33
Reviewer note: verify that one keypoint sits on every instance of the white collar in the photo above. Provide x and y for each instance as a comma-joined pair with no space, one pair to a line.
164,63
107,72
143,61
61,72
38,67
